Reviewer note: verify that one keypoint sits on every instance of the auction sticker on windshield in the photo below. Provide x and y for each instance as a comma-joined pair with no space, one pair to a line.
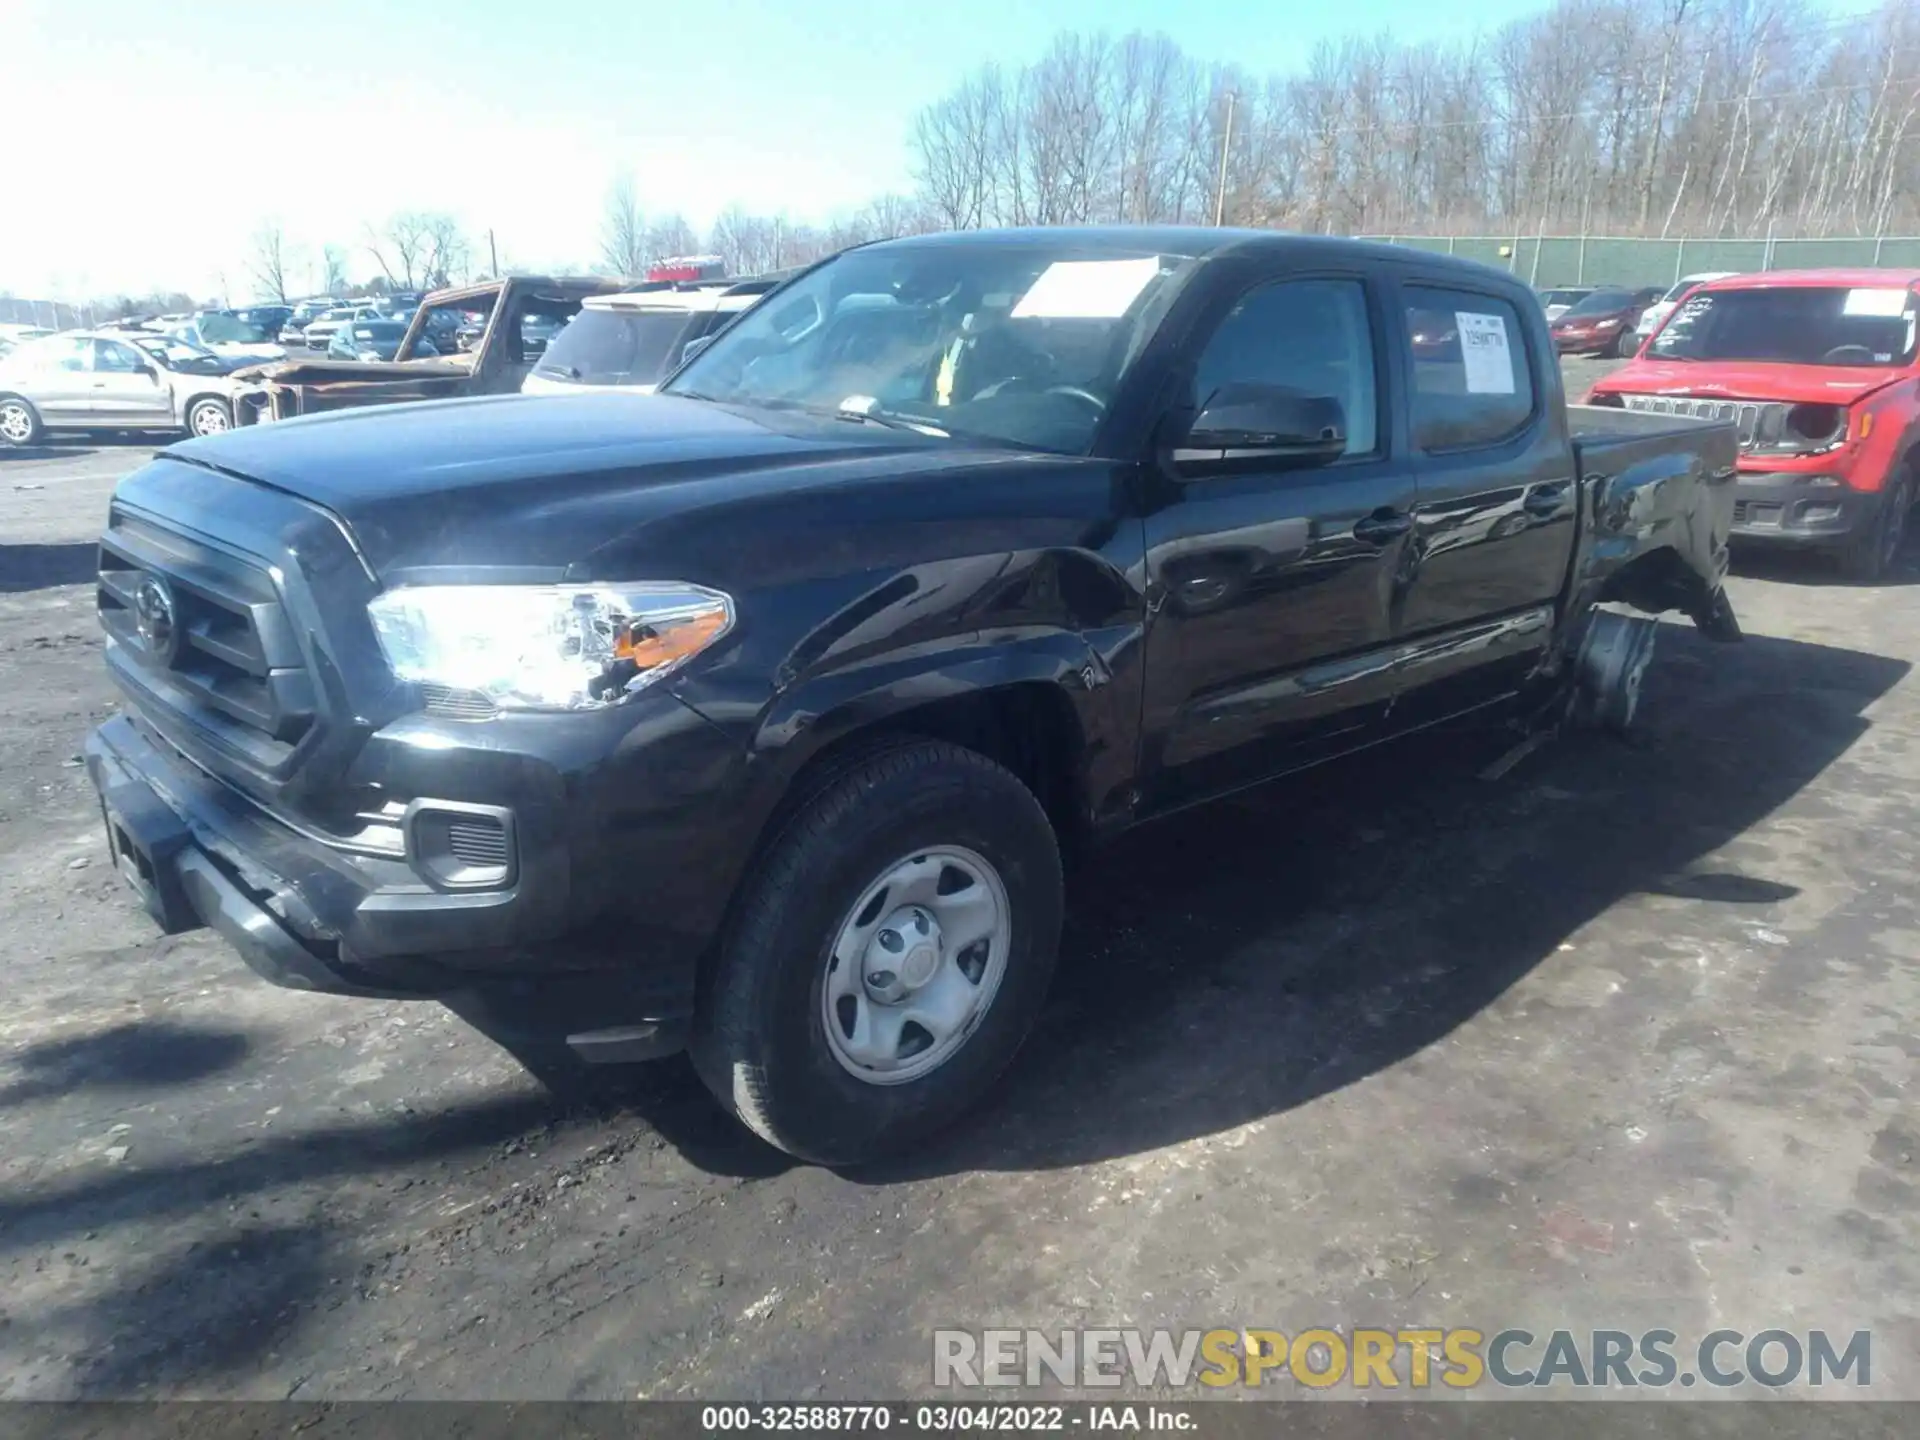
1086,289
1483,348
1888,303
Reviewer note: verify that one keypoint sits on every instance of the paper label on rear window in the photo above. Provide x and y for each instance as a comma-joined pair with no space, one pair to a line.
1086,289
1876,302
1483,348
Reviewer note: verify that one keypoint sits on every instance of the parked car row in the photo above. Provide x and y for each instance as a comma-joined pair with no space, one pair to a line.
1613,319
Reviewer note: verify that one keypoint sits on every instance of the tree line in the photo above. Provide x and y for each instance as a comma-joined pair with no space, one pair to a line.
1715,118
1637,117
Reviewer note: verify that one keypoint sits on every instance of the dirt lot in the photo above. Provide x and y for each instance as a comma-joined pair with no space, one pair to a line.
1625,1038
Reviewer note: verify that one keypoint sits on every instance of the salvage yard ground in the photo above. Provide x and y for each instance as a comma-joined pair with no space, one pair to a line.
1625,1038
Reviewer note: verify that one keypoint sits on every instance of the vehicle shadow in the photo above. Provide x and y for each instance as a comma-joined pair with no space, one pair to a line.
1789,566
41,567
135,1056
1241,961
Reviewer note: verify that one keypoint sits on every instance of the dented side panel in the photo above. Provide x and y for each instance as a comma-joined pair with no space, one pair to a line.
1658,510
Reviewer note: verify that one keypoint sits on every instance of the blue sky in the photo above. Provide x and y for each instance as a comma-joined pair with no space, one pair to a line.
164,134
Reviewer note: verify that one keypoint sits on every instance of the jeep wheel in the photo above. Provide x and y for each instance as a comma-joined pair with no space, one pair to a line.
886,957
1869,555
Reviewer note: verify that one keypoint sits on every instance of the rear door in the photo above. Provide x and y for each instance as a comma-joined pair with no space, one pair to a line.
1270,588
1494,517
59,379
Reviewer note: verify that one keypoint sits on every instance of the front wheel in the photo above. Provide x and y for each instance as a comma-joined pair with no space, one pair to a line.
209,417
1870,554
887,956
19,422
1624,347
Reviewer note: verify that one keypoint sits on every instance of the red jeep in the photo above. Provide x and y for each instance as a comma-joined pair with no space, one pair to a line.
1817,368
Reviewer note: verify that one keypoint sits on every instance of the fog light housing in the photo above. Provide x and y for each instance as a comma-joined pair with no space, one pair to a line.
1819,514
1823,482
456,846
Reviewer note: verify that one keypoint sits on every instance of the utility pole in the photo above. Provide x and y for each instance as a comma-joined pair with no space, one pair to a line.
493,255
1226,146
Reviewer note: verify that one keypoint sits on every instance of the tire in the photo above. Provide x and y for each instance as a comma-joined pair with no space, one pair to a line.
1868,555
208,416
19,422
1626,345
887,830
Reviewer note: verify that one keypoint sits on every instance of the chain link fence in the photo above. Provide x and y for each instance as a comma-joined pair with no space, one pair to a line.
1609,260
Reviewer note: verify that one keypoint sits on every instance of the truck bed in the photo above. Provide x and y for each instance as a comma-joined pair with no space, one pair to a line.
1652,482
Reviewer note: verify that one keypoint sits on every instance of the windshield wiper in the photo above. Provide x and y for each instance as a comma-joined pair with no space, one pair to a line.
893,420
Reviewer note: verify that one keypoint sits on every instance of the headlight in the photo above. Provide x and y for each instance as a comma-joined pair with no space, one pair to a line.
547,647
1606,324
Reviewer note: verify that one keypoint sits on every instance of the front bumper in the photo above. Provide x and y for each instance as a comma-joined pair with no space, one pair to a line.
1789,509
545,950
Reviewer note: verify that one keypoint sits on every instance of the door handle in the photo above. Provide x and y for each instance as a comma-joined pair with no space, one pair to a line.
1544,500
1382,526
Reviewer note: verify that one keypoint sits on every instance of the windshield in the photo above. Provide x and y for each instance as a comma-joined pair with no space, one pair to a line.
383,331
1600,302
173,351
1797,325
1561,297
1023,344
229,330
617,347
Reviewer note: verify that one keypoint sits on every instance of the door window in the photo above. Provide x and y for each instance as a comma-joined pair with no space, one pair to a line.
56,352
1472,385
114,358
1310,336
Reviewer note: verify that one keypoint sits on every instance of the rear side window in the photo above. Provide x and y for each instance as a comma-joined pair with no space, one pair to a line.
1472,385
618,347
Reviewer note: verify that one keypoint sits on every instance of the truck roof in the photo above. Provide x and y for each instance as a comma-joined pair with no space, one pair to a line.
1199,241
1847,277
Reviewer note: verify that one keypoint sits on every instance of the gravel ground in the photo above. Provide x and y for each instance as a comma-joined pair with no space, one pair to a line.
1623,1038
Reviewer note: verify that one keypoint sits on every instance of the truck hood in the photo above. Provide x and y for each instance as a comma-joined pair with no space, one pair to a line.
543,487
1709,380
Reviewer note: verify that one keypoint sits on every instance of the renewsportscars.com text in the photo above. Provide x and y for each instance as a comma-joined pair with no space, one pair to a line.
1457,1358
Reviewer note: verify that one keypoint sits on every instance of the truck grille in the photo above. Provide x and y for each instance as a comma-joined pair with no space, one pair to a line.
1761,424
202,630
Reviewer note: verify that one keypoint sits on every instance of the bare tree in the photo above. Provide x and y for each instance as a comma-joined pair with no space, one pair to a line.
334,263
418,249
269,262
623,230
1690,116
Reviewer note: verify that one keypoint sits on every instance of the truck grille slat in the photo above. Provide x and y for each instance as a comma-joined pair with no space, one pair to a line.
1760,424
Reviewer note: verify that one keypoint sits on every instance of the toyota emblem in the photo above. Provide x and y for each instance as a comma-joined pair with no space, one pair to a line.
156,619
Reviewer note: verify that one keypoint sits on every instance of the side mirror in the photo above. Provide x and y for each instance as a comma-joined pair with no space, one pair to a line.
1243,425
694,346
151,371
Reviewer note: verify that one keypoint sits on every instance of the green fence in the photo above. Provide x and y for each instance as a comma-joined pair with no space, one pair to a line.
1598,260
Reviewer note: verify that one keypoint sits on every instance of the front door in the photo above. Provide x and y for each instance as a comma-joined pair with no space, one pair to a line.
1270,589
128,388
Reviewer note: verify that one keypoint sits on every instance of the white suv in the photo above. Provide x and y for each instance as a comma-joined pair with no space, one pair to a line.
1651,317
635,339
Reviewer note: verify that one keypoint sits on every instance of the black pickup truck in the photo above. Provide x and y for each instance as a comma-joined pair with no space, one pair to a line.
755,717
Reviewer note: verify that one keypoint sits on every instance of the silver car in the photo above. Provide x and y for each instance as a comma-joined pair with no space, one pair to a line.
102,380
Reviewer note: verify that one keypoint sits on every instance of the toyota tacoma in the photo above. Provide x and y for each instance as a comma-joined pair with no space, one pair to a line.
755,717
